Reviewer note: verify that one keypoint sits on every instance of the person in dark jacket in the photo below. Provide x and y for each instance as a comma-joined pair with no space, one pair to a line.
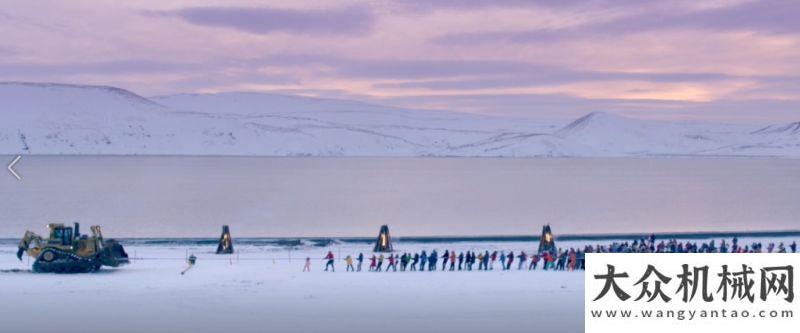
510,260
486,260
445,258
414,262
360,260
460,260
561,260
503,260
423,260
432,261
403,262
380,263
523,258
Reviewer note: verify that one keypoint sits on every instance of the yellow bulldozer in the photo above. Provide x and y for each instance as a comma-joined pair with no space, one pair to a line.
67,251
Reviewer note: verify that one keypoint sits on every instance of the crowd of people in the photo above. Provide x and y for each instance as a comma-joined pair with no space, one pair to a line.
559,260
450,261
650,245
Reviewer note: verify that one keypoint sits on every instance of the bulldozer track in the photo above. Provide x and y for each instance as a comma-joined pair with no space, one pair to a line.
65,262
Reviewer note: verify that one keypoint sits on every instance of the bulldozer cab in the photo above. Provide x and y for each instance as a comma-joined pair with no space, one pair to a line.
60,235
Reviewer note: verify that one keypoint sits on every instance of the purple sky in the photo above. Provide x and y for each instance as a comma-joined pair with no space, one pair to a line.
733,61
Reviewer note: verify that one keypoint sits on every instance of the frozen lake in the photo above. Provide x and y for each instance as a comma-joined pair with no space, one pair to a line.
334,197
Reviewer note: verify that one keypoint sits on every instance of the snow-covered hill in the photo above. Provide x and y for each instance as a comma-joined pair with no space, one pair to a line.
73,119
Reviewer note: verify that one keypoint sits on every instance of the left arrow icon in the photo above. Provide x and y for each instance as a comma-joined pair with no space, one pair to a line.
11,168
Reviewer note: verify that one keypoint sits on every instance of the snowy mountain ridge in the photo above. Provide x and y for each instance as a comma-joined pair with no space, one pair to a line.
45,118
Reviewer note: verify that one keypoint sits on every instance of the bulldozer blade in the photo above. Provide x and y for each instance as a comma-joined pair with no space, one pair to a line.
114,254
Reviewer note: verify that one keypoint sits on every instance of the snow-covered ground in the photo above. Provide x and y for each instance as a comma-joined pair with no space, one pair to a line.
249,292
74,119
260,290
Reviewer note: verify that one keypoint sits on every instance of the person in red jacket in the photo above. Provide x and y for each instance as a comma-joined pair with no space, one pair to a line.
534,262
329,257
548,258
392,263
307,267
573,259
373,263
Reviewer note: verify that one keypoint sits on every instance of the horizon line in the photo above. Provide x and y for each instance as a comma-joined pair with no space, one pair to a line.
563,237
